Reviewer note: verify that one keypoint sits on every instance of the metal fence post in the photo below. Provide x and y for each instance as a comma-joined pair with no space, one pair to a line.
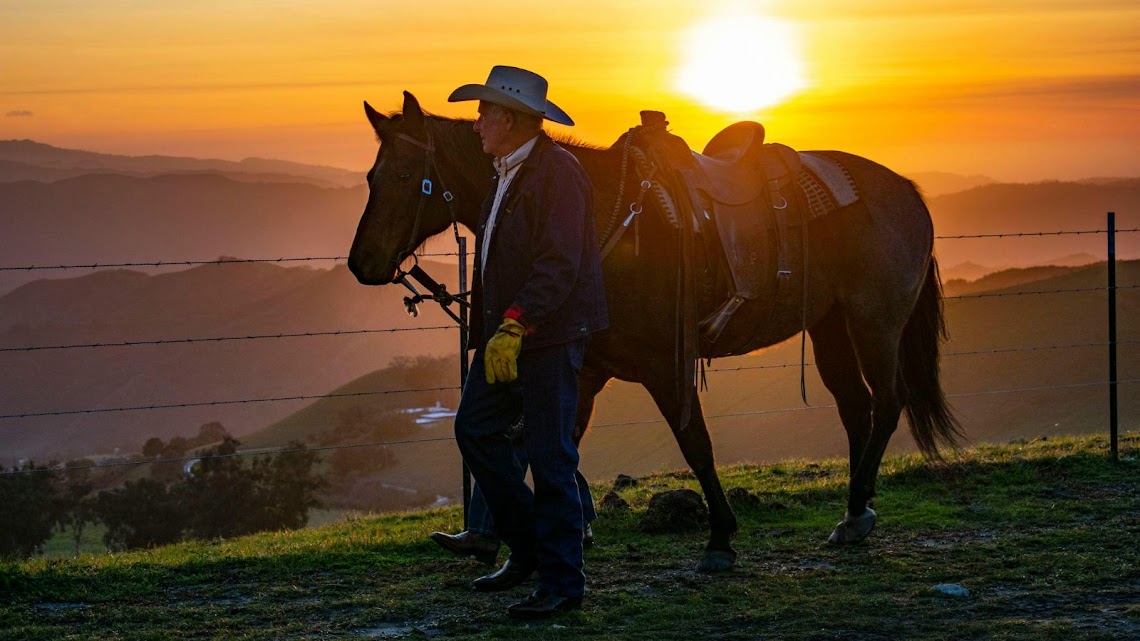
463,338
1112,408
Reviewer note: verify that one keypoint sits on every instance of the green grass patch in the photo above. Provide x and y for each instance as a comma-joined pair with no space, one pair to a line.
1042,534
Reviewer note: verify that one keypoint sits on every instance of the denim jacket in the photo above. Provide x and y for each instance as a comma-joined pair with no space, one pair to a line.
543,268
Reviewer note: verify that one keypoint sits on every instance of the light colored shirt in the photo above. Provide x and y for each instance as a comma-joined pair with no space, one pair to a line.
507,167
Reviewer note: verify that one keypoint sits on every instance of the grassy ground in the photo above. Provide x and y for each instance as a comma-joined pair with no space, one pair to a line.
1043,535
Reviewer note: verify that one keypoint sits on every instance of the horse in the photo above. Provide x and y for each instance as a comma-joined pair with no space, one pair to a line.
871,300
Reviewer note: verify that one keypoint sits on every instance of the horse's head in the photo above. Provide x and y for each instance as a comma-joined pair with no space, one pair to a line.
407,203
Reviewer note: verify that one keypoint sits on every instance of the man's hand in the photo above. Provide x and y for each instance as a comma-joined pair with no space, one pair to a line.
500,359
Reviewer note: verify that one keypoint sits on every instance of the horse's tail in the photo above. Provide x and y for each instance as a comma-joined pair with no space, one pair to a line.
931,420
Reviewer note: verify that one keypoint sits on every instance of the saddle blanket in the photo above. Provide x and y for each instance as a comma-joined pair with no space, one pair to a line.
825,183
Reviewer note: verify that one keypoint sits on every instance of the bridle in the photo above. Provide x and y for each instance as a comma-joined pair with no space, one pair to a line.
426,190
438,291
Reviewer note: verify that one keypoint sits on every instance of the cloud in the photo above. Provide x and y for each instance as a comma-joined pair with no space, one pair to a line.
19,113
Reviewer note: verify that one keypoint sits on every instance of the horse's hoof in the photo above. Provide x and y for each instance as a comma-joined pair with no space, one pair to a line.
717,561
853,530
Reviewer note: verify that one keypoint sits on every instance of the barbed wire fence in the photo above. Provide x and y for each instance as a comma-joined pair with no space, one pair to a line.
1111,344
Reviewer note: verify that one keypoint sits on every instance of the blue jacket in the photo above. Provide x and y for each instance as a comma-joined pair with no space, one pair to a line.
542,268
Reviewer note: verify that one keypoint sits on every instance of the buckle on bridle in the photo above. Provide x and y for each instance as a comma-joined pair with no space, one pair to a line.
426,187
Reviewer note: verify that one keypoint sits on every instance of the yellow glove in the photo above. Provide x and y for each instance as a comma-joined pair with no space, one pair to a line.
500,359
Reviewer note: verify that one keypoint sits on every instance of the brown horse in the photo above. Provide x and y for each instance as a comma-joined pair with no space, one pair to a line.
867,291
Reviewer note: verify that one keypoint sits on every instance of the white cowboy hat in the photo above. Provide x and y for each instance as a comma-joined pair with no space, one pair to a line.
516,89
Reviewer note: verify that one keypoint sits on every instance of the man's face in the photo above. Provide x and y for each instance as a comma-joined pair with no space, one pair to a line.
493,126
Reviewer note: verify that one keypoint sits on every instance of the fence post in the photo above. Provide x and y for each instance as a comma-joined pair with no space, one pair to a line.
1112,408
463,338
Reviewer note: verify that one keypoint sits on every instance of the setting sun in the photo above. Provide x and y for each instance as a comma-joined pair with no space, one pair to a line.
741,63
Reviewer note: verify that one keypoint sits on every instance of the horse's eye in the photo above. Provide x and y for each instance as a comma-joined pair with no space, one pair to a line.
404,177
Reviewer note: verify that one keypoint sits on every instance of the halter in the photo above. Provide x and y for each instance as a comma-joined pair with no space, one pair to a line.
439,292
426,189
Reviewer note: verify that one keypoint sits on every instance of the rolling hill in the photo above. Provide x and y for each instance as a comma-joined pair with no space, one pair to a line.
1029,209
218,300
28,155
112,218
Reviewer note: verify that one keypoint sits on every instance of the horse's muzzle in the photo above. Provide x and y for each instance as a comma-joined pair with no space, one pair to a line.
371,272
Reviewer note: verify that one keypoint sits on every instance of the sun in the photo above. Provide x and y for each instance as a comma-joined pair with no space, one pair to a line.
740,63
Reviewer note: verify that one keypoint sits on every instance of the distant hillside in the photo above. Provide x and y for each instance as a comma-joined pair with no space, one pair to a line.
755,413
207,301
1003,279
34,154
110,218
1034,208
12,171
938,183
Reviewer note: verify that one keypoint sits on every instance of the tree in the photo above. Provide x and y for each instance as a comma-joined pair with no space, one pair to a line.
220,496
211,432
291,486
153,447
76,506
142,513
28,510
225,497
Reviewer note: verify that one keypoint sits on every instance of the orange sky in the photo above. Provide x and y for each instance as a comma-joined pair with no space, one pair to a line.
1018,89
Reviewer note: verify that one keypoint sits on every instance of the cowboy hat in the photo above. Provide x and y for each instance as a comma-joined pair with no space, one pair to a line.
516,89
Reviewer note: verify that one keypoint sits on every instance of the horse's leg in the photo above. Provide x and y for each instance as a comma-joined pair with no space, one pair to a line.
876,342
696,446
838,367
590,382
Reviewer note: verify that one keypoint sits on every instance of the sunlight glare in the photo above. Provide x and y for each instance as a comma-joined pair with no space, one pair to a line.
741,63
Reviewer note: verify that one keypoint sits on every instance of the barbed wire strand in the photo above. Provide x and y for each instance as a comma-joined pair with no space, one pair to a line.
1075,232
975,352
294,259
275,399
220,339
1041,291
406,391
287,450
193,263
241,453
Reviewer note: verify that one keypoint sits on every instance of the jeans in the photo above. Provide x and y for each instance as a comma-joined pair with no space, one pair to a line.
543,527
480,521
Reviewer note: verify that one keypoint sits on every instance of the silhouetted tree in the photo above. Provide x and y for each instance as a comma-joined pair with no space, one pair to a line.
73,496
290,488
227,497
153,447
28,510
211,432
142,513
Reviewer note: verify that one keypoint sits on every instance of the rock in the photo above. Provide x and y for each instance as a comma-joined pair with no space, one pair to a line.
951,589
623,481
675,511
741,499
611,502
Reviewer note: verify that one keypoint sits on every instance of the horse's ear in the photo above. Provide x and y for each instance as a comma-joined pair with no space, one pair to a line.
413,115
377,119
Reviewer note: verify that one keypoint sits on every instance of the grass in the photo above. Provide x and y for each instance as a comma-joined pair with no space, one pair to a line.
1042,534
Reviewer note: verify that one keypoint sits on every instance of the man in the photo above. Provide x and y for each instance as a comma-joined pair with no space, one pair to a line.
479,539
537,297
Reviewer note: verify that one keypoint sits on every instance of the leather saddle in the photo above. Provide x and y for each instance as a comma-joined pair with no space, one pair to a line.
744,185
737,166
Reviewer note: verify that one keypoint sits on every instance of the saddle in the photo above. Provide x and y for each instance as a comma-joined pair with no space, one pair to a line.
735,200
743,186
